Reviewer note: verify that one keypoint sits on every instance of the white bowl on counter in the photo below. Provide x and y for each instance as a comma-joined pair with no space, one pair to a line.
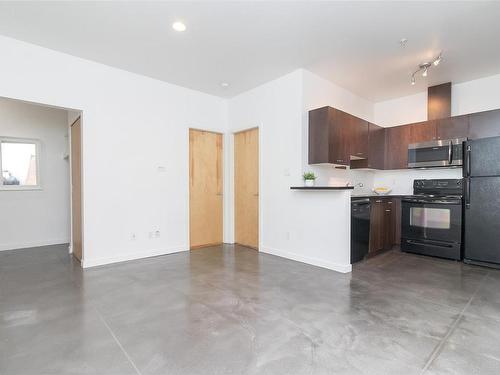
381,190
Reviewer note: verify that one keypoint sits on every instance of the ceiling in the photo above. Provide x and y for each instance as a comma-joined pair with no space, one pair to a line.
353,44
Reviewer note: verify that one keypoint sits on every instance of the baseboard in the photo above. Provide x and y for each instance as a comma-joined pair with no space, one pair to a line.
343,268
87,263
27,245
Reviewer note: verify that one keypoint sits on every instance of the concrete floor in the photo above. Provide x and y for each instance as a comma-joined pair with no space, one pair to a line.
232,310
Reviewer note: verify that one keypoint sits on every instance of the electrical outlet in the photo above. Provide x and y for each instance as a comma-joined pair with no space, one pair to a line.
157,234
133,237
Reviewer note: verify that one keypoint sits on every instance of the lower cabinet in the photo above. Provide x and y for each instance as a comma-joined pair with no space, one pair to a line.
385,223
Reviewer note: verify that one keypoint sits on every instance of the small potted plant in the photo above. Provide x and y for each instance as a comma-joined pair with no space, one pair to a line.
309,178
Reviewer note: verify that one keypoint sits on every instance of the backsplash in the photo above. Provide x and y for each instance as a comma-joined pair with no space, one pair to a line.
400,181
354,177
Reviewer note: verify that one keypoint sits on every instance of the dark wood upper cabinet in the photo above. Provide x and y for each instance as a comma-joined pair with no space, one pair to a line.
358,137
328,136
484,124
319,130
422,131
335,136
341,135
397,139
376,146
453,127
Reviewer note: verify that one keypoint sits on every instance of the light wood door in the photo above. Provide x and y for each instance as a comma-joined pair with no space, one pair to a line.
205,188
246,186
76,188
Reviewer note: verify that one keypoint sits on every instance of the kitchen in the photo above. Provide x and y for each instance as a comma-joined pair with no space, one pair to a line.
449,215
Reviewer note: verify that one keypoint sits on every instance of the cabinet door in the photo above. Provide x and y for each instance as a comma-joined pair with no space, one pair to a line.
376,146
339,137
358,137
484,124
390,223
397,140
388,226
422,131
453,127
396,214
377,219
319,124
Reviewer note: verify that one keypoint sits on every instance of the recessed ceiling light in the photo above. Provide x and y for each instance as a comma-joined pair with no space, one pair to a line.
225,84
179,26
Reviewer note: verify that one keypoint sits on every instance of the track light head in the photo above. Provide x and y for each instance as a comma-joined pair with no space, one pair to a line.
424,67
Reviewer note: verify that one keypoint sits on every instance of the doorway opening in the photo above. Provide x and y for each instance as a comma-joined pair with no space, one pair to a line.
36,171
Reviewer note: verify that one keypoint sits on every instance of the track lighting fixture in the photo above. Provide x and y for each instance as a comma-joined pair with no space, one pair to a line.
424,67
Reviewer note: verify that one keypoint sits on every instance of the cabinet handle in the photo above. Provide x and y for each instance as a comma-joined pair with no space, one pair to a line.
378,201
389,202
387,210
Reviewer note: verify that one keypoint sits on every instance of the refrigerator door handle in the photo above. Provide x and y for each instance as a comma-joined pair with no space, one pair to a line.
450,153
467,161
467,193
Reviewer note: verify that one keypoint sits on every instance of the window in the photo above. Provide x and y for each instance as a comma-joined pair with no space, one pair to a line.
19,163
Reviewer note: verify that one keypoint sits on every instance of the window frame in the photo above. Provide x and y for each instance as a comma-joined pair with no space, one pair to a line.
38,149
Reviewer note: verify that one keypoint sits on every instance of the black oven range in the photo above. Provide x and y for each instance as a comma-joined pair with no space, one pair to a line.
431,222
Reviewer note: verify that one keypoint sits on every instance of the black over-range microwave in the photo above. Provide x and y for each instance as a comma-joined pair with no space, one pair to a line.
442,153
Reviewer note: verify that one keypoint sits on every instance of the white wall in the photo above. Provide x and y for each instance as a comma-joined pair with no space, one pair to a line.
131,125
305,226
37,217
466,97
400,111
476,96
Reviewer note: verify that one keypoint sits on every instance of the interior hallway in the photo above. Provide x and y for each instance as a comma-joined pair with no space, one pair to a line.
232,310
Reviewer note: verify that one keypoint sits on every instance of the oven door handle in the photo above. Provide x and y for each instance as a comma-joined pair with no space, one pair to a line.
412,242
455,202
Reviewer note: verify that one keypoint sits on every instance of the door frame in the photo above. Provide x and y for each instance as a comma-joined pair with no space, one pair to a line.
224,195
233,183
79,117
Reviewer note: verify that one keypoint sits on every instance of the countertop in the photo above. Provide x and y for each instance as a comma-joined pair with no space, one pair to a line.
322,187
379,196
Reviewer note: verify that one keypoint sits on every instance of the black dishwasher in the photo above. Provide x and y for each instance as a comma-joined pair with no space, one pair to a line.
360,228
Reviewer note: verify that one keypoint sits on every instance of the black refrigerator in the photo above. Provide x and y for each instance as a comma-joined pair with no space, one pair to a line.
482,202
